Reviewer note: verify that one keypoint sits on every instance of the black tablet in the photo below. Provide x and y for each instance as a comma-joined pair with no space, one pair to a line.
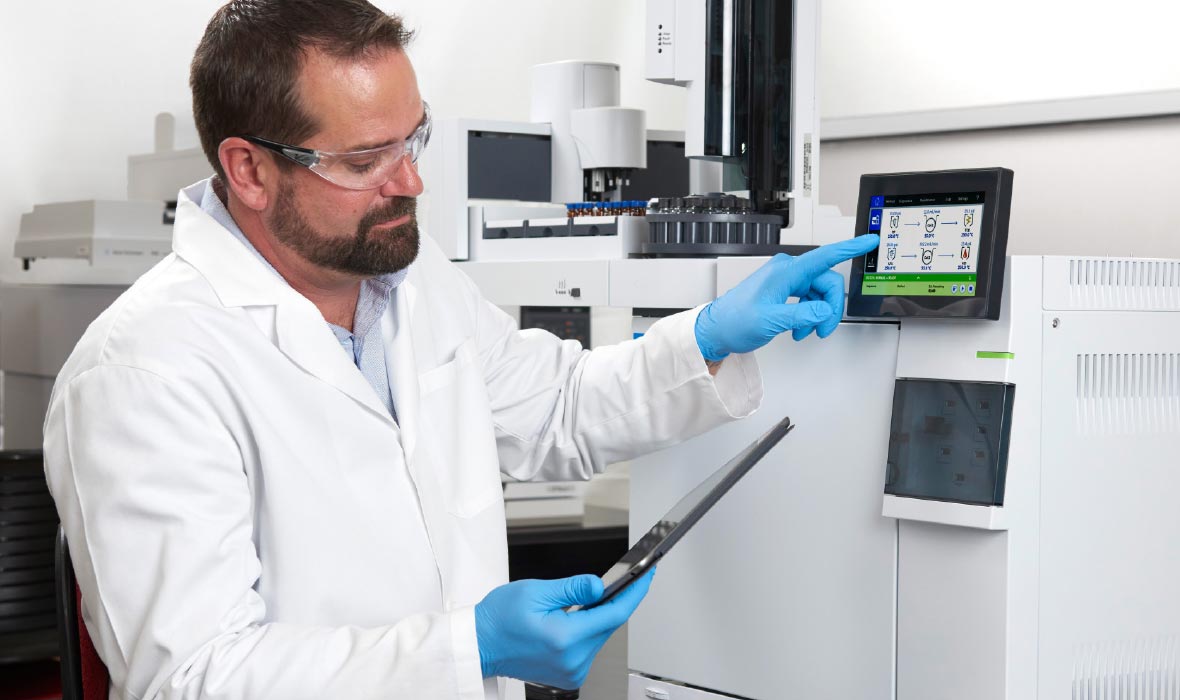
944,235
667,532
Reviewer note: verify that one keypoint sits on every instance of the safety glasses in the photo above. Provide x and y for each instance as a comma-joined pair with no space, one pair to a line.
356,170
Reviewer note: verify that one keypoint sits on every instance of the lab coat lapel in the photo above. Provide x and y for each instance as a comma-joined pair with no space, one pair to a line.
401,366
240,280
305,338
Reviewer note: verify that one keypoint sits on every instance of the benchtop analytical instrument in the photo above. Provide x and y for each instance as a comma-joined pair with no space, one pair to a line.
976,504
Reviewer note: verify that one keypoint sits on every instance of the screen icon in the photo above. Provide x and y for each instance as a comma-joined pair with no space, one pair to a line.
970,289
877,201
954,289
874,220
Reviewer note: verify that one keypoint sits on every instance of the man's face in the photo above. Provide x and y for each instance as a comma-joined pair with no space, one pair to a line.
358,104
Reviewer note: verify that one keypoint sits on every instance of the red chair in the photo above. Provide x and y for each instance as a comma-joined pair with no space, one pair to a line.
83,675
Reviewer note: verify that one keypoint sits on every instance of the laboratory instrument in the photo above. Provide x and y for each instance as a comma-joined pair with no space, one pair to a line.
121,237
500,190
984,518
79,257
751,110
985,514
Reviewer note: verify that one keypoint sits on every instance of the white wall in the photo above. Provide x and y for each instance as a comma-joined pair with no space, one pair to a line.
1102,188
913,55
82,80
1098,188
473,56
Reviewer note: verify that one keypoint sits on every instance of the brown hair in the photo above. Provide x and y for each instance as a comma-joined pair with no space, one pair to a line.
245,73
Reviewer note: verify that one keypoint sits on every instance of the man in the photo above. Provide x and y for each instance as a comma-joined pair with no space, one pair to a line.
277,456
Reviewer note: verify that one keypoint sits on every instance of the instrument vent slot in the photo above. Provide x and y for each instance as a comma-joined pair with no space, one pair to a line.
1124,283
1138,670
1124,394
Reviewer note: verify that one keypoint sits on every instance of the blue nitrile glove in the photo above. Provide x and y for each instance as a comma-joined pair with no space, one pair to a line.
525,633
751,314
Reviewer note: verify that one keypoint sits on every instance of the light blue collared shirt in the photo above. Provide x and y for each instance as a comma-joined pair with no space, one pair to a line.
364,343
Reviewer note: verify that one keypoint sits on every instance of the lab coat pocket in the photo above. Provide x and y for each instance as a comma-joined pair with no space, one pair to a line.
456,430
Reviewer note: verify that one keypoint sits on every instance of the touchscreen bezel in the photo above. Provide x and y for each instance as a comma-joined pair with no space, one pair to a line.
996,184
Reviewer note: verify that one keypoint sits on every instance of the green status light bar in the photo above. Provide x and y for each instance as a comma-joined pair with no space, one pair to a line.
919,285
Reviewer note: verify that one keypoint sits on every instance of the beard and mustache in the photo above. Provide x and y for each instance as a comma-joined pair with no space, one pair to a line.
363,254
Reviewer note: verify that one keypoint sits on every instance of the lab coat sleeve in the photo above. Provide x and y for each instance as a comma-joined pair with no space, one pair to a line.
565,413
157,508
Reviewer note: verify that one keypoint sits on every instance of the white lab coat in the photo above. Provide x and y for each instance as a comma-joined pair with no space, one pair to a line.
248,521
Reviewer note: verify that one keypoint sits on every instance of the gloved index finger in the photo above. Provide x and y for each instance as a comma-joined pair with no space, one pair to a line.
814,262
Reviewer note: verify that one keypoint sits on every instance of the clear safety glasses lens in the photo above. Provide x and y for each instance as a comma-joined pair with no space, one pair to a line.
358,170
366,170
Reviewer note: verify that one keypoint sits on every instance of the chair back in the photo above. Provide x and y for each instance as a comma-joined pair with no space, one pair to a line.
83,675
